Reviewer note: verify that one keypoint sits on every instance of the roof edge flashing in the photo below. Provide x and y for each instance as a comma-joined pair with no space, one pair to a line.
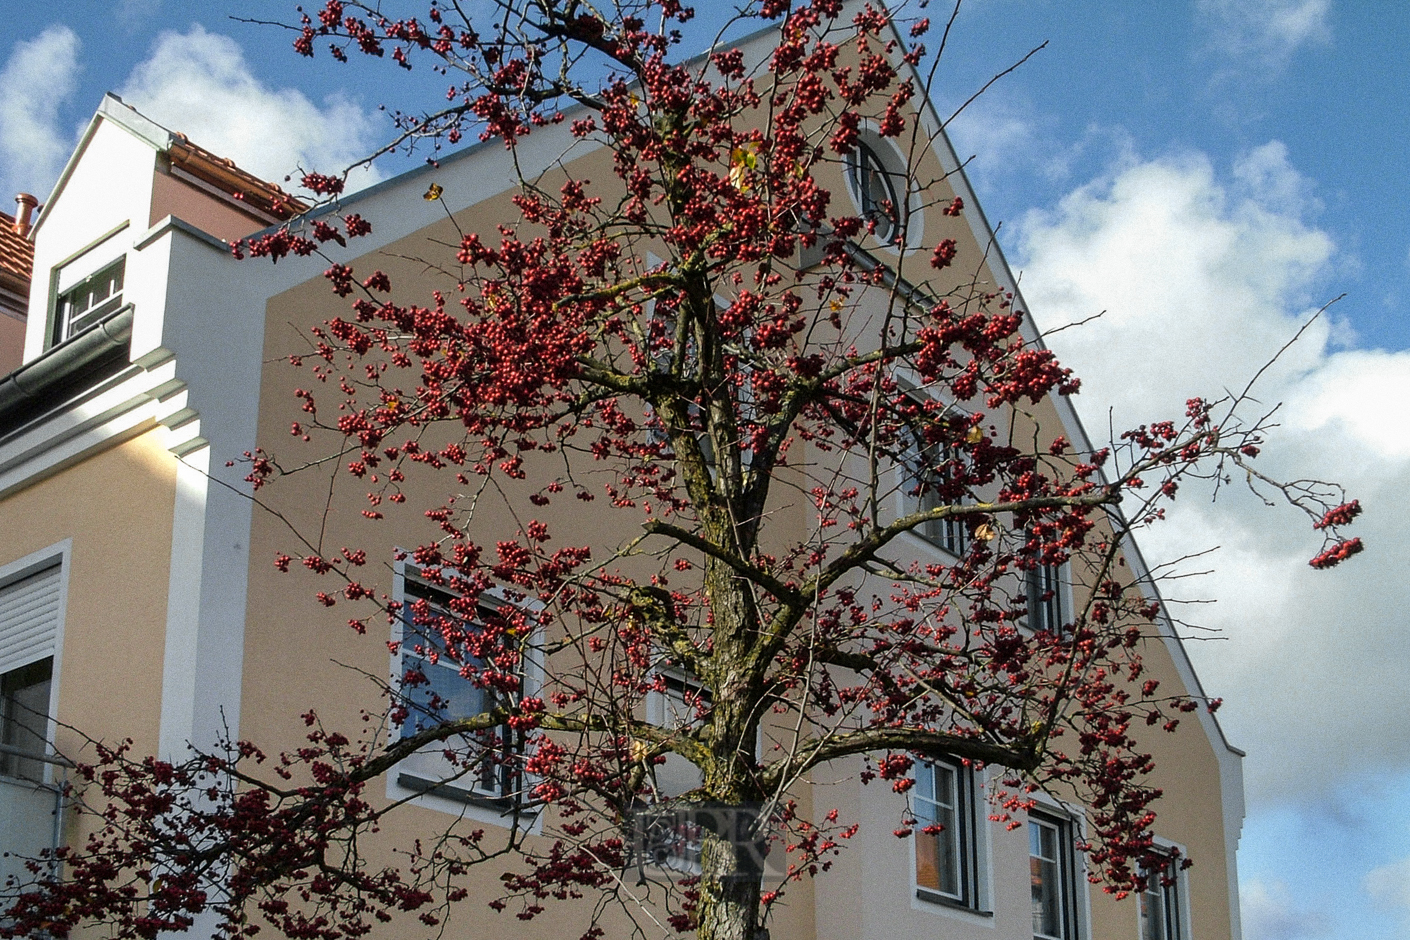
135,122
111,108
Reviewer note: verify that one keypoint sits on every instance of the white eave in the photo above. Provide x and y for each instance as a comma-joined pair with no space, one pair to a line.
112,109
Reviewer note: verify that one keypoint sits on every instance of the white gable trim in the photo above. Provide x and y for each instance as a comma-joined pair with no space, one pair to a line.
111,108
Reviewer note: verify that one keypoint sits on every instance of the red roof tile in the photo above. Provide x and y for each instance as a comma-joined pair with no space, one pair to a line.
16,257
222,173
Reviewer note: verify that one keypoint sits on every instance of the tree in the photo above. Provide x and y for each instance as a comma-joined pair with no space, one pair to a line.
664,326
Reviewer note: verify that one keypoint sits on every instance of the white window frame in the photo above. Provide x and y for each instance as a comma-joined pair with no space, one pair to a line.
412,784
867,172
674,842
972,892
1174,898
18,570
1071,868
79,268
910,215
677,849
670,709
950,535
68,325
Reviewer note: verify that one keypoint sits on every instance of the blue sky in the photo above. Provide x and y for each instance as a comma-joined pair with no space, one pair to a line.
1207,172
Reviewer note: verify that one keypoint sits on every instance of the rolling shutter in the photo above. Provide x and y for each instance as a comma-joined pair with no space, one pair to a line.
29,619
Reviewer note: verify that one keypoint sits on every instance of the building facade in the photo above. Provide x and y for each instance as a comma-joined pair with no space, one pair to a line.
137,599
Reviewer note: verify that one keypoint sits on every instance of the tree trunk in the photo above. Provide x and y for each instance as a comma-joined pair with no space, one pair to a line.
729,890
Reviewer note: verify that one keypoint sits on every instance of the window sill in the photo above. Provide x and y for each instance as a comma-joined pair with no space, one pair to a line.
8,778
483,808
449,791
933,897
934,544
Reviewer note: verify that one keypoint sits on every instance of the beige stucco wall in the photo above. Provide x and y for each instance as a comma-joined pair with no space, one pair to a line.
299,653
116,507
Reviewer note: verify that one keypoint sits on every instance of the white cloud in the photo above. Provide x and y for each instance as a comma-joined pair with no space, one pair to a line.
39,77
992,135
998,137
1170,255
131,13
1269,912
1389,887
1265,176
200,84
1267,30
1203,280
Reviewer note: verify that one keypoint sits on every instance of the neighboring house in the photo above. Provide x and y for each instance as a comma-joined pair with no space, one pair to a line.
137,598
16,263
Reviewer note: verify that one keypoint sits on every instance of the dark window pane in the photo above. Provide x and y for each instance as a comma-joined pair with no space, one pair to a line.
875,192
24,718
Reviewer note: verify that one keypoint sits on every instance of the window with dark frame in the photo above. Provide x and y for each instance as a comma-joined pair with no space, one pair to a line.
922,493
1160,903
89,301
434,690
875,191
1052,863
946,843
24,719
1046,601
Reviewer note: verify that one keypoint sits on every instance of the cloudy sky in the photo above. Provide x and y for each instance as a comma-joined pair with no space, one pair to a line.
1206,174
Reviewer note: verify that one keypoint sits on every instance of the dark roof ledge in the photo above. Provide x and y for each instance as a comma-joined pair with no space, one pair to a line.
42,384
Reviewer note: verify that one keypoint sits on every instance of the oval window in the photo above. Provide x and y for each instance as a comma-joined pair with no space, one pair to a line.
875,191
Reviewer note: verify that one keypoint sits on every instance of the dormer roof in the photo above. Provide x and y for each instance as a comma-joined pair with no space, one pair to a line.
188,159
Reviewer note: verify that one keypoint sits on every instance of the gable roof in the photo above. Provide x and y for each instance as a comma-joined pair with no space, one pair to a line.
270,200
258,197
224,175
